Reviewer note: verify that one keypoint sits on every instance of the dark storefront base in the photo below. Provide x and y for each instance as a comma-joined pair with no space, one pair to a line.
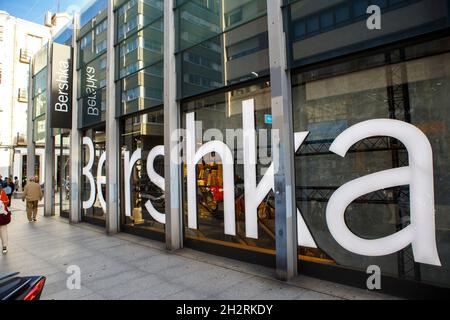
389,285
64,214
143,233
94,221
232,253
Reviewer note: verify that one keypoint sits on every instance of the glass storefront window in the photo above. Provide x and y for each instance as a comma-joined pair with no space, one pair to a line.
219,117
400,84
39,129
238,55
142,90
142,49
40,93
62,188
93,190
40,104
145,134
221,43
92,40
40,60
140,55
202,20
134,15
320,30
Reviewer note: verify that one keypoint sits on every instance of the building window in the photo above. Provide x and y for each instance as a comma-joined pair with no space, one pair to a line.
101,27
1,33
100,47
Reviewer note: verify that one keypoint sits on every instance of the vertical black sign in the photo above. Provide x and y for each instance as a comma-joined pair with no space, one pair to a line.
61,94
92,94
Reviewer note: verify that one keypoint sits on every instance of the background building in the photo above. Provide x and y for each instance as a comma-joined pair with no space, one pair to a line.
19,41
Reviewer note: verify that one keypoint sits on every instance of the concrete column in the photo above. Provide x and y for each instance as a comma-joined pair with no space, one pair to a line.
172,168
49,191
31,147
285,206
112,132
75,136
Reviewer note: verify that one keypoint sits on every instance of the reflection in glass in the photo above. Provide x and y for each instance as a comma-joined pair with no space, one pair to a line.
221,43
144,132
322,29
222,113
140,54
331,99
94,214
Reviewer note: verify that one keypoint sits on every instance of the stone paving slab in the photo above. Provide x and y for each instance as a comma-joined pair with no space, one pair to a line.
129,267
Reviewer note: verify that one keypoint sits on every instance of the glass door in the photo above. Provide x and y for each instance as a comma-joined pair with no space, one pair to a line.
63,175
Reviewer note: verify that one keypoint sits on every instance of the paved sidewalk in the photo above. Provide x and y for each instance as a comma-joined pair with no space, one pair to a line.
129,267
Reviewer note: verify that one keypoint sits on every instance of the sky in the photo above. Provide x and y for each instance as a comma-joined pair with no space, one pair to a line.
34,10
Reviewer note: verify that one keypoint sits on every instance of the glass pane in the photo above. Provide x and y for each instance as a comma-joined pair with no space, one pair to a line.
142,90
93,211
136,14
142,49
201,20
220,118
317,36
39,130
237,55
40,104
40,82
329,100
145,133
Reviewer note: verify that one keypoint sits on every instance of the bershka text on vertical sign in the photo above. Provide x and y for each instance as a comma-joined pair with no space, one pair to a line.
91,95
62,84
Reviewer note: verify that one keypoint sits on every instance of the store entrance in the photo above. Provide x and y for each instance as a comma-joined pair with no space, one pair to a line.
37,169
62,192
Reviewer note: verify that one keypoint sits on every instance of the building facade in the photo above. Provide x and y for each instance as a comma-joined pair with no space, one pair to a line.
19,40
311,136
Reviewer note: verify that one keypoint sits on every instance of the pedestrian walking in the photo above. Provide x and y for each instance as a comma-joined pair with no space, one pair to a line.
16,184
5,219
8,187
32,194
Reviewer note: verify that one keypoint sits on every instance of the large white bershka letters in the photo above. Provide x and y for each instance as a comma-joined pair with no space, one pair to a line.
95,190
87,172
154,177
193,156
255,194
157,180
418,175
